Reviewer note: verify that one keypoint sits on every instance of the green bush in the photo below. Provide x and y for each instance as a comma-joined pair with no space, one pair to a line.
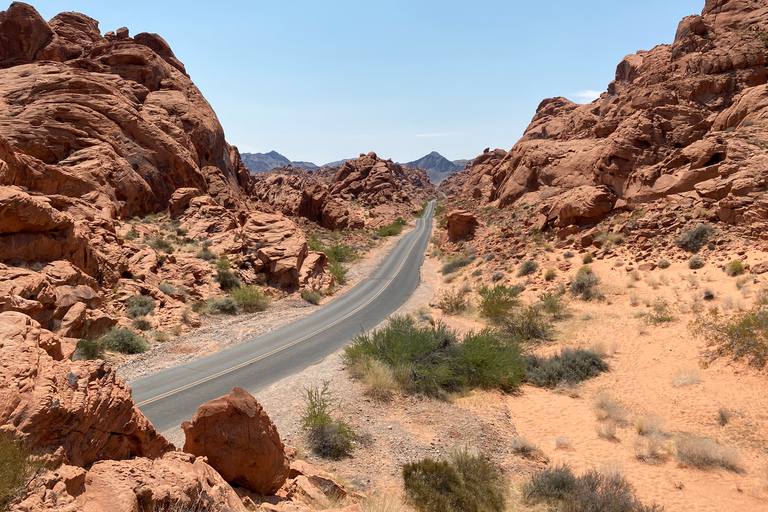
15,468
693,239
584,285
457,263
311,297
393,229
742,336
436,363
734,268
226,279
468,482
124,341
223,306
454,301
526,325
338,272
139,305
206,254
142,324
695,262
132,234
571,366
527,268
89,349
167,288
587,258
663,263
327,437
498,301
339,252
162,245
554,304
590,492
550,275
661,313
250,298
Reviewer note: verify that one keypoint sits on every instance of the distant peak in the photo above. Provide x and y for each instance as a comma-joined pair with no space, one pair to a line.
434,153
275,154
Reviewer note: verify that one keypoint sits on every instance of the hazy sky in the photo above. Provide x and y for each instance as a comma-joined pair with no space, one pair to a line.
325,80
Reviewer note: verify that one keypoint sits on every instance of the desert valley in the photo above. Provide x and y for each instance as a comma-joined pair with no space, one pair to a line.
585,330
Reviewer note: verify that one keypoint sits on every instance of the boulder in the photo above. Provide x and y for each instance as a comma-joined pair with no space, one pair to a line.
460,224
240,442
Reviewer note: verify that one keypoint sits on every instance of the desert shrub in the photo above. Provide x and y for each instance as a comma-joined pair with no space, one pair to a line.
649,424
167,288
652,448
734,268
393,229
226,279
16,468
457,263
527,268
223,306
660,313
206,254
608,408
250,298
526,449
606,430
162,245
339,252
742,336
708,295
328,437
550,275
311,296
591,492
569,367
568,255
429,360
377,378
704,452
553,304
695,262
162,336
526,324
693,239
88,349
199,306
132,234
686,377
454,301
663,263
139,305
587,258
498,301
142,324
723,416
585,284
338,272
467,482
490,256
124,340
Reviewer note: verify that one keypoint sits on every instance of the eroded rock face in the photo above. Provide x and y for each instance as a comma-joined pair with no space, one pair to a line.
678,119
460,224
240,442
174,480
79,408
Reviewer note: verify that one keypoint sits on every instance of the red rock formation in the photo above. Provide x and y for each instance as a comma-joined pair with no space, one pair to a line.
240,442
460,224
683,118
79,408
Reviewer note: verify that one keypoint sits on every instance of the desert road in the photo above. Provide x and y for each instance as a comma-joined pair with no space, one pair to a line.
169,397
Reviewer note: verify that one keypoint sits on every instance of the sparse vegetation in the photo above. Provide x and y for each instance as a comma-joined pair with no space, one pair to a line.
692,240
457,263
593,491
162,245
498,301
734,268
587,258
569,367
723,416
663,263
686,377
554,304
377,378
742,336
142,324
695,262
550,275
585,284
429,360
527,268
311,296
226,279
250,298
88,349
139,305
339,273
16,468
704,452
328,437
660,313
525,325
526,449
223,306
393,229
466,482
454,301
124,341
608,409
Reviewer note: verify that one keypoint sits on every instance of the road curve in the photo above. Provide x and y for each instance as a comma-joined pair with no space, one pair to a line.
169,397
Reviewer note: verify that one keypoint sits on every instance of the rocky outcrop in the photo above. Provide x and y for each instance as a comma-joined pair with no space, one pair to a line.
78,412
176,481
239,441
683,118
460,224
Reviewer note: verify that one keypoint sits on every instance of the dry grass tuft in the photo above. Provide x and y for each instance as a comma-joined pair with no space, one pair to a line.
563,443
377,378
608,409
704,452
607,430
686,377
382,503
526,449
652,449
649,424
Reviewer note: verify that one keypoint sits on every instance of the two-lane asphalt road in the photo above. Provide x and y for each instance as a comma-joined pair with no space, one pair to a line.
169,397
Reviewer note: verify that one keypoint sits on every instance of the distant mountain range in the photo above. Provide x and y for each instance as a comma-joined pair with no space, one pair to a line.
437,166
263,162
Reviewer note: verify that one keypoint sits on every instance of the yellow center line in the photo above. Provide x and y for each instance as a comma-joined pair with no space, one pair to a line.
289,345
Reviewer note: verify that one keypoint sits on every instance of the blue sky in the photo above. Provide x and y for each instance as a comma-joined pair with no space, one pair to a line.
325,80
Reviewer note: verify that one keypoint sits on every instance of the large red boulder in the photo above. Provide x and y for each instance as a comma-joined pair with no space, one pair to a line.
460,224
240,441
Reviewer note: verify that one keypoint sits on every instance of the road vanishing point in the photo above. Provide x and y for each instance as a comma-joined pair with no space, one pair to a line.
171,396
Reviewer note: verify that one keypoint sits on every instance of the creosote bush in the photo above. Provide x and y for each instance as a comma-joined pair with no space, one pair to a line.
663,263
527,268
742,336
454,301
328,437
223,306
695,262
250,298
139,305
526,324
593,491
466,482
734,268
339,273
311,296
429,360
585,284
142,324
692,240
553,304
457,263
498,301
569,367
88,349
124,340
661,313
